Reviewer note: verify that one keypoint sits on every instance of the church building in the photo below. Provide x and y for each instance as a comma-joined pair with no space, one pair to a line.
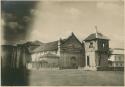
70,53
64,54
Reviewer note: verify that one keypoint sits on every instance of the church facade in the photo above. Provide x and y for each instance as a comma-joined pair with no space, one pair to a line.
72,53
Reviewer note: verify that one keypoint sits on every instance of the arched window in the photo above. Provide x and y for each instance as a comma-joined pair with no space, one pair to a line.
103,45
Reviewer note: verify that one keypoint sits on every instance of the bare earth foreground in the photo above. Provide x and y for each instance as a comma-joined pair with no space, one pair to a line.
76,78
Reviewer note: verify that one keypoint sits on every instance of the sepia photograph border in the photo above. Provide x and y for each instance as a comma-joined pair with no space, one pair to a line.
1,35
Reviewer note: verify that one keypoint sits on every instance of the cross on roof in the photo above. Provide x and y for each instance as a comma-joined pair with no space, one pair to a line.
96,31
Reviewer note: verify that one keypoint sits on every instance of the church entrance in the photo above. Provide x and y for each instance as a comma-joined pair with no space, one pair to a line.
74,63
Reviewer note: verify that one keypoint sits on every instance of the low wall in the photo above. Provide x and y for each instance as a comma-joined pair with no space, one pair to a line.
110,68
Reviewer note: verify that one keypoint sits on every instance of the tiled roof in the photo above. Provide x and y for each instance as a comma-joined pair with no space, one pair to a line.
51,46
47,47
49,55
70,37
96,36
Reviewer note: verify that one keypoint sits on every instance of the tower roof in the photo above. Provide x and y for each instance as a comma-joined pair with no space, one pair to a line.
96,36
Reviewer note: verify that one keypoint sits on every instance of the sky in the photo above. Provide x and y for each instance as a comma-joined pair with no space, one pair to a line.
52,20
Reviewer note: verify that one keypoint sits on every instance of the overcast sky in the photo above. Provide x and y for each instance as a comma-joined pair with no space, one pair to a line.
54,20
58,19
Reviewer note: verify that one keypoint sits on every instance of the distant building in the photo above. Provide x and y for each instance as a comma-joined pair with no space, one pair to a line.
96,51
63,53
116,58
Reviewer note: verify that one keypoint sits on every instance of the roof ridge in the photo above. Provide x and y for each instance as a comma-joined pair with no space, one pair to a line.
51,42
72,34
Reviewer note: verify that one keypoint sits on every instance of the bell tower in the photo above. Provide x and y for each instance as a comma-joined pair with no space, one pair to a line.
96,51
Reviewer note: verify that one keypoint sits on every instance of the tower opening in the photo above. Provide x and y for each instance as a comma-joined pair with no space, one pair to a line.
88,61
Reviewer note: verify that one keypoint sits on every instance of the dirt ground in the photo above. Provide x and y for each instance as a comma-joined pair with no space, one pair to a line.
75,78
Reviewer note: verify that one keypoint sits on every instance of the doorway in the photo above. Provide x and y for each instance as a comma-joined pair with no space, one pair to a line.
74,62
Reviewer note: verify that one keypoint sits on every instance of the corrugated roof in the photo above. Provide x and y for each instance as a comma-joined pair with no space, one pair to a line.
96,36
34,43
14,43
117,51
